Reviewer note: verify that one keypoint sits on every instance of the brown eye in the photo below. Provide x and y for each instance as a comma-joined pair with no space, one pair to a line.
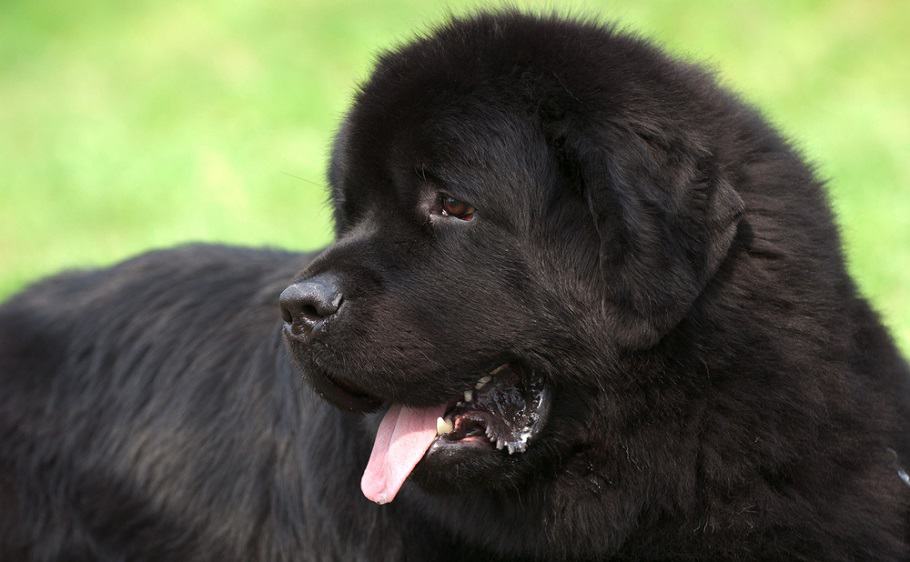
452,207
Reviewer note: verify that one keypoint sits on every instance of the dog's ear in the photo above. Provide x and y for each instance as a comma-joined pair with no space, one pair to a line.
666,219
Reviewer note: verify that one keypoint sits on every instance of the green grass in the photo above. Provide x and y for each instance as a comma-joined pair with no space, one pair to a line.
130,125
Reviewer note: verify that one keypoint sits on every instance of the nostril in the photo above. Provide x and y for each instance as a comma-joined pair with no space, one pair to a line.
307,303
310,313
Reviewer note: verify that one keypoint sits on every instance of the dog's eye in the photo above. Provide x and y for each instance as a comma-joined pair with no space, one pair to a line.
451,207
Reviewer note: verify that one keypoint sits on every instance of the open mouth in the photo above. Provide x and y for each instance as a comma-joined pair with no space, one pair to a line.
501,413
505,409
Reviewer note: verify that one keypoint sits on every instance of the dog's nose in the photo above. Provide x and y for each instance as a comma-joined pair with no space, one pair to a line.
308,303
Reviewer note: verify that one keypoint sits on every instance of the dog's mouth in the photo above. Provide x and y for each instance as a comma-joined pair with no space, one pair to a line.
499,414
502,413
504,409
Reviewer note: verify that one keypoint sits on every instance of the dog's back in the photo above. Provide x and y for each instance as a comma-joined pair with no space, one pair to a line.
148,411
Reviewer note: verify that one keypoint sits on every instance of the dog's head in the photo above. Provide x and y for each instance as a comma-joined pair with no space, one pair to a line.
519,202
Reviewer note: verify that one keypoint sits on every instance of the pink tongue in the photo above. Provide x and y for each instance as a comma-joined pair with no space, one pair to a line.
404,436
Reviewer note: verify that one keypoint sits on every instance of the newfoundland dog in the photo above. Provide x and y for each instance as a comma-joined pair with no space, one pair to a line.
582,304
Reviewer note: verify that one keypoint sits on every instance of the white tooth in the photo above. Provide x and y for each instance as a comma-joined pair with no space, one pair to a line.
499,444
468,395
498,369
482,381
511,448
443,426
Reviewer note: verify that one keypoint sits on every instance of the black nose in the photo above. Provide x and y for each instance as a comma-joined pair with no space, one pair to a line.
307,304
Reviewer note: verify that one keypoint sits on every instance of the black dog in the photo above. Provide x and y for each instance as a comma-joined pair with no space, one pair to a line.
595,307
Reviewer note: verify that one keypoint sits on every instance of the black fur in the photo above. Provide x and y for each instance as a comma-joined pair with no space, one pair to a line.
642,238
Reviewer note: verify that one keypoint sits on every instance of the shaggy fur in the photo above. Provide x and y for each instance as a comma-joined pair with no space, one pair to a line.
642,238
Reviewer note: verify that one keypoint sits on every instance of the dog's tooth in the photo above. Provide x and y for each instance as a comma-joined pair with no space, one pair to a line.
499,369
443,426
511,448
468,395
482,381
500,444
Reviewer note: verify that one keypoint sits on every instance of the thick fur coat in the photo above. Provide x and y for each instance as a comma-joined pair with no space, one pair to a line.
643,240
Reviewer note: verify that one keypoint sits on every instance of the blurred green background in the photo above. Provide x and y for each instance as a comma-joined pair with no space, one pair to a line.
130,125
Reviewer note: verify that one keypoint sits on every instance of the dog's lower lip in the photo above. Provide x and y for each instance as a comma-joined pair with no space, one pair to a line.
350,390
340,393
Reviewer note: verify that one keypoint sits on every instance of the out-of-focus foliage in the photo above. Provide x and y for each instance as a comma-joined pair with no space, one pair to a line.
128,125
